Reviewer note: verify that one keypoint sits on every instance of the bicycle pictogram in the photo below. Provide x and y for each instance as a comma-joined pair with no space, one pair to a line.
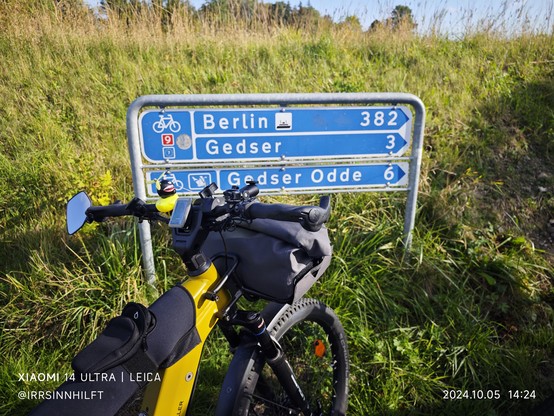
166,121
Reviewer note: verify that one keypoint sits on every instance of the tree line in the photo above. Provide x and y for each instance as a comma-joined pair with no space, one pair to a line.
280,13
251,11
248,12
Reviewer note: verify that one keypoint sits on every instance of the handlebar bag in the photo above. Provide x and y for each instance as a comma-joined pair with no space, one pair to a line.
126,356
274,256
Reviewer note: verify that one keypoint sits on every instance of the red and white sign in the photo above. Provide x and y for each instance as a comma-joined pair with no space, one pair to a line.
167,140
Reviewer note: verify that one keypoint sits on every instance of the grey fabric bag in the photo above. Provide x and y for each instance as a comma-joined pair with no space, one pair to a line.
279,260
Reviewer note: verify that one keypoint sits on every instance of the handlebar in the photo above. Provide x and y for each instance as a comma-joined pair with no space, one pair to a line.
237,203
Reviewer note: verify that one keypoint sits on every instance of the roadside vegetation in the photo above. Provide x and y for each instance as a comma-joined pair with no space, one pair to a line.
470,309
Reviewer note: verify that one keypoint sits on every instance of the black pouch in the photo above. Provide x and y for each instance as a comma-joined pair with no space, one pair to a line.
124,337
110,370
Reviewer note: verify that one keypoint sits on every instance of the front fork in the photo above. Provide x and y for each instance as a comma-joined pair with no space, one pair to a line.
274,356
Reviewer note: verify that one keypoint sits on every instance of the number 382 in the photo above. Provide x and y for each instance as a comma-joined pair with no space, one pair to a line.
379,119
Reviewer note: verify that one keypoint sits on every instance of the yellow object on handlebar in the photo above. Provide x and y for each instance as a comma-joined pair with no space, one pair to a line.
167,204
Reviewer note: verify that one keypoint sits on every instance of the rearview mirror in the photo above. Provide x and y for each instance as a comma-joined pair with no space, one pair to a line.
76,212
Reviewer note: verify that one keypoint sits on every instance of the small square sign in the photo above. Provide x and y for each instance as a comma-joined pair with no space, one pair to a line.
169,152
198,181
283,121
167,140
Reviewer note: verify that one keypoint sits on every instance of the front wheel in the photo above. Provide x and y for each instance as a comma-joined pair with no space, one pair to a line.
314,343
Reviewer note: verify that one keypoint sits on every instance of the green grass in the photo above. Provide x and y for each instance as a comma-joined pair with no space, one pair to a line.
471,306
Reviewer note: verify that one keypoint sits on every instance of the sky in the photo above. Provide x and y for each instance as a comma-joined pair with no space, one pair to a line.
454,16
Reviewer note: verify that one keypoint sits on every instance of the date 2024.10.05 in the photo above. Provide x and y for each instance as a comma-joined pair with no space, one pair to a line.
488,394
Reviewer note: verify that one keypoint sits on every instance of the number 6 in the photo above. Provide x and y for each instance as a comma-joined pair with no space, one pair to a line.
389,173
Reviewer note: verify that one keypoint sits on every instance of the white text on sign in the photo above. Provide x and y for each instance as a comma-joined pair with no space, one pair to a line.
242,121
316,176
242,147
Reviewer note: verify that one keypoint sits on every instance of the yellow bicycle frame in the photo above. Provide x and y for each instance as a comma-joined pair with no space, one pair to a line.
172,395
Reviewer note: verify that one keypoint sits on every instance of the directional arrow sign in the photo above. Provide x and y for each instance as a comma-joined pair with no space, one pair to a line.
307,178
298,146
297,120
274,134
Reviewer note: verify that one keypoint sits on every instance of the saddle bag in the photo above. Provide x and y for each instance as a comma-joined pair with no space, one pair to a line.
126,356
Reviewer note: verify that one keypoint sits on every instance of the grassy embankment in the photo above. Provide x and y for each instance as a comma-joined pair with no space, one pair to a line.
471,309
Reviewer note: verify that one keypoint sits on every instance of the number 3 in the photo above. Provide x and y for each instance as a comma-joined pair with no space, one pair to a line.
391,143
366,121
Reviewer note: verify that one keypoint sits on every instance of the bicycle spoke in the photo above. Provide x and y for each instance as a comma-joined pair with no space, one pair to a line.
289,410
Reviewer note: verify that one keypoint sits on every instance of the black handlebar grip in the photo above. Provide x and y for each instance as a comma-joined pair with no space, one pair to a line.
99,213
279,212
310,217
136,207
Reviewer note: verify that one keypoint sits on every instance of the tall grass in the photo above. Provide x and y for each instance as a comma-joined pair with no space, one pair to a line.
470,308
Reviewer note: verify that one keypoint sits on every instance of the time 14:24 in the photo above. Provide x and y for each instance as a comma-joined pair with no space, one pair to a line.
522,394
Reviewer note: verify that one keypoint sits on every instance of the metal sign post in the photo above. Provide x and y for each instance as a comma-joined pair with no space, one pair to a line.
286,149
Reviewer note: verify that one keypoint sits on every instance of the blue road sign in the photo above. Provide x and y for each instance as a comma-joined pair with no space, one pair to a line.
306,178
274,134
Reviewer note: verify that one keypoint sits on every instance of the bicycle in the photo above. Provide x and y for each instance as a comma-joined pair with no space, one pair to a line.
289,358
166,122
